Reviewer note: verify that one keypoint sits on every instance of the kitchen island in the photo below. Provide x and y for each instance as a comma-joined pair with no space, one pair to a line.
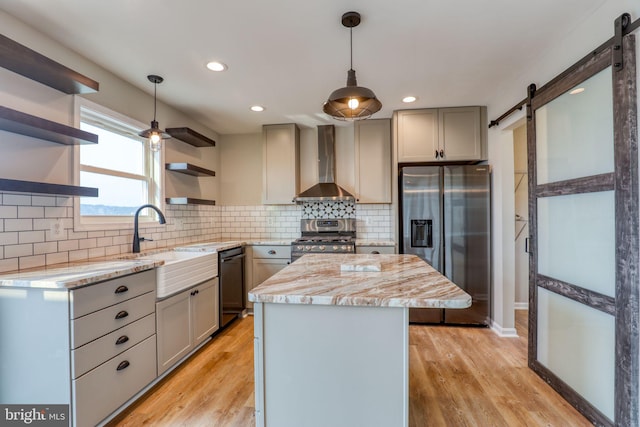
332,338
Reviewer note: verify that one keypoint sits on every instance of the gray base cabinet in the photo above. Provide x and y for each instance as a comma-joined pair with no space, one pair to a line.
264,261
375,250
92,348
184,321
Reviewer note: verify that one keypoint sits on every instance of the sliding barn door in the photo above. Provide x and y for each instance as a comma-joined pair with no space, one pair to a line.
583,207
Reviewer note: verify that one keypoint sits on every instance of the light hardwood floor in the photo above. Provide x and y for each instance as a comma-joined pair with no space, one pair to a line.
458,377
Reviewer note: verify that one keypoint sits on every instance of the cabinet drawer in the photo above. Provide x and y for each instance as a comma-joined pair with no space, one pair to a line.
272,251
103,390
102,322
95,297
99,351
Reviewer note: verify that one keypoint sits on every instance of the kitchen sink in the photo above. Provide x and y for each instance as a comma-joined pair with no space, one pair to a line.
182,270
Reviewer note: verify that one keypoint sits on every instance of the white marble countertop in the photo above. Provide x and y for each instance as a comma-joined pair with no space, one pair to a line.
404,281
73,275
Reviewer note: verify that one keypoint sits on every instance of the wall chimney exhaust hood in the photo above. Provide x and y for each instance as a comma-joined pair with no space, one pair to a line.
326,189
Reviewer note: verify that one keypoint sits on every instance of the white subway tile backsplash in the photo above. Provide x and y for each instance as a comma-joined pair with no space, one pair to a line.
25,228
30,212
8,264
8,212
45,248
24,224
16,199
55,212
30,236
16,251
32,261
57,258
9,238
43,200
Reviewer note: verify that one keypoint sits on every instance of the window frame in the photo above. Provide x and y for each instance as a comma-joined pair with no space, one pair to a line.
153,175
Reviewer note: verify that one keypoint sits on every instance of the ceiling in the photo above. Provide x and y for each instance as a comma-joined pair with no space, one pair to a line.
289,55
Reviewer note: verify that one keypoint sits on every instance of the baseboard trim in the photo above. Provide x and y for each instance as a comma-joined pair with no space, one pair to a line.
521,306
504,332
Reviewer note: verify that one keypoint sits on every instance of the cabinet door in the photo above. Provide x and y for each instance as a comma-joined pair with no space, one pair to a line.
204,310
173,323
460,133
373,161
280,164
265,268
417,135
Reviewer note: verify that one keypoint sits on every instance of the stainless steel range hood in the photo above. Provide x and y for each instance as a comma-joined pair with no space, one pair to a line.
326,189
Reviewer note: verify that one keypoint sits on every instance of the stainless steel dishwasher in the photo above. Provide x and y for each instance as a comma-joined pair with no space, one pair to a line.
231,276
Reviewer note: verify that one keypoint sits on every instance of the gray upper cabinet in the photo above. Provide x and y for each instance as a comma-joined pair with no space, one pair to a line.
441,134
373,161
281,174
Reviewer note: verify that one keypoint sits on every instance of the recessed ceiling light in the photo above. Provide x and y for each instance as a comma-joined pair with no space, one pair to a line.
216,66
257,108
408,99
576,91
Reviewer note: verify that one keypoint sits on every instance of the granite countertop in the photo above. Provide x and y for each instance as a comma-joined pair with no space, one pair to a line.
403,281
73,275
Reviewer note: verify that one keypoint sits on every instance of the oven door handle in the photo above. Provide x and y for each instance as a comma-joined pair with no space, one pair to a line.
231,258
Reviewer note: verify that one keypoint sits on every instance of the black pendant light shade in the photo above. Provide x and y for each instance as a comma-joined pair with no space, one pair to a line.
352,102
154,134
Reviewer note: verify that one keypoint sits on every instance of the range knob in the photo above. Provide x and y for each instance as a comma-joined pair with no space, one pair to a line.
299,247
307,248
321,248
335,248
343,248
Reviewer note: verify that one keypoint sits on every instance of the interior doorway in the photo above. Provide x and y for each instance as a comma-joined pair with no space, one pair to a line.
521,208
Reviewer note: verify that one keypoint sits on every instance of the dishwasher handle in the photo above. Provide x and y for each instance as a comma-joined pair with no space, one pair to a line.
231,258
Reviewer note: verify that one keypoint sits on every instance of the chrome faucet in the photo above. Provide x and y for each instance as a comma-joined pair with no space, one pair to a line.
136,238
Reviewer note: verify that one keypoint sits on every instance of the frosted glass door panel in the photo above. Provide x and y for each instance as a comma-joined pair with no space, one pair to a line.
576,240
574,132
577,343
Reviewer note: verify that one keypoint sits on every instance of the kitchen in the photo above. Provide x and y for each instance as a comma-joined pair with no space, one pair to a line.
238,162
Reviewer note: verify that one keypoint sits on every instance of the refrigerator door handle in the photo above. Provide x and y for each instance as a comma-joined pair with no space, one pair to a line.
527,246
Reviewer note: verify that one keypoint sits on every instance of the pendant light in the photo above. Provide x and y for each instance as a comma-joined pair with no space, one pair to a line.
352,102
154,133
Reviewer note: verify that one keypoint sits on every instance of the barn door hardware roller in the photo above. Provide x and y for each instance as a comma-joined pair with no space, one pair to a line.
620,26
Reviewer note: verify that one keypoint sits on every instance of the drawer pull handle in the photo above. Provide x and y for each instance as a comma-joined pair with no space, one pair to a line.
121,289
123,339
375,252
271,252
123,365
122,315
196,292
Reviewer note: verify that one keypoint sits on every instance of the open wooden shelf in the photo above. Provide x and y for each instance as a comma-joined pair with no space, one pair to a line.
191,137
29,63
36,127
45,188
189,201
189,169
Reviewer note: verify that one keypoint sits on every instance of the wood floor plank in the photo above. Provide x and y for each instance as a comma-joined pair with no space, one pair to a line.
457,377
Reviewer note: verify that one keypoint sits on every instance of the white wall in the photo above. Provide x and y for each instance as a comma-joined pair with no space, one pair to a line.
578,42
26,219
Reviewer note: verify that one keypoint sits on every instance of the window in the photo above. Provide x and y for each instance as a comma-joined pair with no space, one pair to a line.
122,167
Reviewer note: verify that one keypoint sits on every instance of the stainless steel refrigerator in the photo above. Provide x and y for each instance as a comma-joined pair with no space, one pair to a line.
445,220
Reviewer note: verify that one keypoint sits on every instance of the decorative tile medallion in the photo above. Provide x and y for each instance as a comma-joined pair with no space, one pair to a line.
313,210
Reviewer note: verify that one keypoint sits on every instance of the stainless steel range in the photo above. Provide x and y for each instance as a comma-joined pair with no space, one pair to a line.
325,236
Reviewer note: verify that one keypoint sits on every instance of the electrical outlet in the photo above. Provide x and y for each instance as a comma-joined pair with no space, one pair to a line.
56,229
367,220
271,221
179,222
